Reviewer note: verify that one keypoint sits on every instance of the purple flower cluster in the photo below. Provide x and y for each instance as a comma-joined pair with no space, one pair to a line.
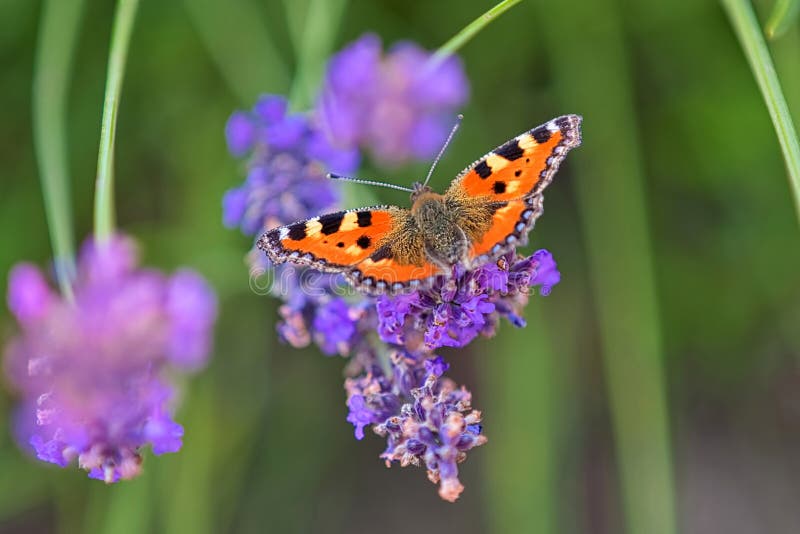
400,106
455,309
288,160
424,417
91,370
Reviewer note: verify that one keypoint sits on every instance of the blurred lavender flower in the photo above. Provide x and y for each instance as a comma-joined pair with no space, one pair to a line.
288,160
90,371
425,418
454,310
399,106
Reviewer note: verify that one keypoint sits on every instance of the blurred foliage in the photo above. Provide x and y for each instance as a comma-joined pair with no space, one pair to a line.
676,133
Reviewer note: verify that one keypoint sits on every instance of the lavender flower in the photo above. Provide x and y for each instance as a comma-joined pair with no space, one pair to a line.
288,160
425,418
456,309
91,371
400,106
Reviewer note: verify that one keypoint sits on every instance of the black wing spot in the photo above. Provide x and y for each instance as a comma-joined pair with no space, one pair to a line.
364,241
297,231
541,135
483,170
510,150
340,244
383,253
499,187
364,219
518,173
331,223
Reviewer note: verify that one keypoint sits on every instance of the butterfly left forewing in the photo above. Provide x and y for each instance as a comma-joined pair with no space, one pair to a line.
378,249
333,242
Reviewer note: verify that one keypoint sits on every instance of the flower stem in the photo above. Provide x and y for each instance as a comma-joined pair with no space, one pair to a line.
104,186
784,14
461,38
57,36
748,31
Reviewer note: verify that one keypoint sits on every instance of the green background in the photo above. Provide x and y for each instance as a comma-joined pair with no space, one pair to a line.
656,389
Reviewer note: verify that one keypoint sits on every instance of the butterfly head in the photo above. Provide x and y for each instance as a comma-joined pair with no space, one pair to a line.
419,189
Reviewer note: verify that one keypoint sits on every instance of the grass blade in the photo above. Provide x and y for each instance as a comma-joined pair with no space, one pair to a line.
58,33
748,31
104,186
784,14
471,30
608,181
522,461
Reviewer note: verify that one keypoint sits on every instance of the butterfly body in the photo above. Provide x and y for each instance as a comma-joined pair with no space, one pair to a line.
487,211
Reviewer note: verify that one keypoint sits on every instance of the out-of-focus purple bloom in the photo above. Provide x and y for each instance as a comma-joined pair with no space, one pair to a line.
29,297
192,309
426,419
240,132
400,105
288,160
90,371
454,310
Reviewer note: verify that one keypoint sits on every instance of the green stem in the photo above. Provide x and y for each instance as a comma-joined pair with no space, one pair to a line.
755,48
523,460
56,43
312,46
783,15
609,185
472,29
104,186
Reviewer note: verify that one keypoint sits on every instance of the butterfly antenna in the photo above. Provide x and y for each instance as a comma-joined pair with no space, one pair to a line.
368,182
459,118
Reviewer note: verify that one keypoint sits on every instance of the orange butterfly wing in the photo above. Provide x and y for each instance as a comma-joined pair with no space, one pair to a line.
381,275
511,179
332,242
509,229
523,166
378,249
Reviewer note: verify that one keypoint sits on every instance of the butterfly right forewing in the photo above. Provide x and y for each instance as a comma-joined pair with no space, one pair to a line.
509,182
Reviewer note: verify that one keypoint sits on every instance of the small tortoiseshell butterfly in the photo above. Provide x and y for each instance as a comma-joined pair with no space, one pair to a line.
487,211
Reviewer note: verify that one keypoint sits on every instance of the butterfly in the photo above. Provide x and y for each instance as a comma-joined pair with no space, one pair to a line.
486,212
